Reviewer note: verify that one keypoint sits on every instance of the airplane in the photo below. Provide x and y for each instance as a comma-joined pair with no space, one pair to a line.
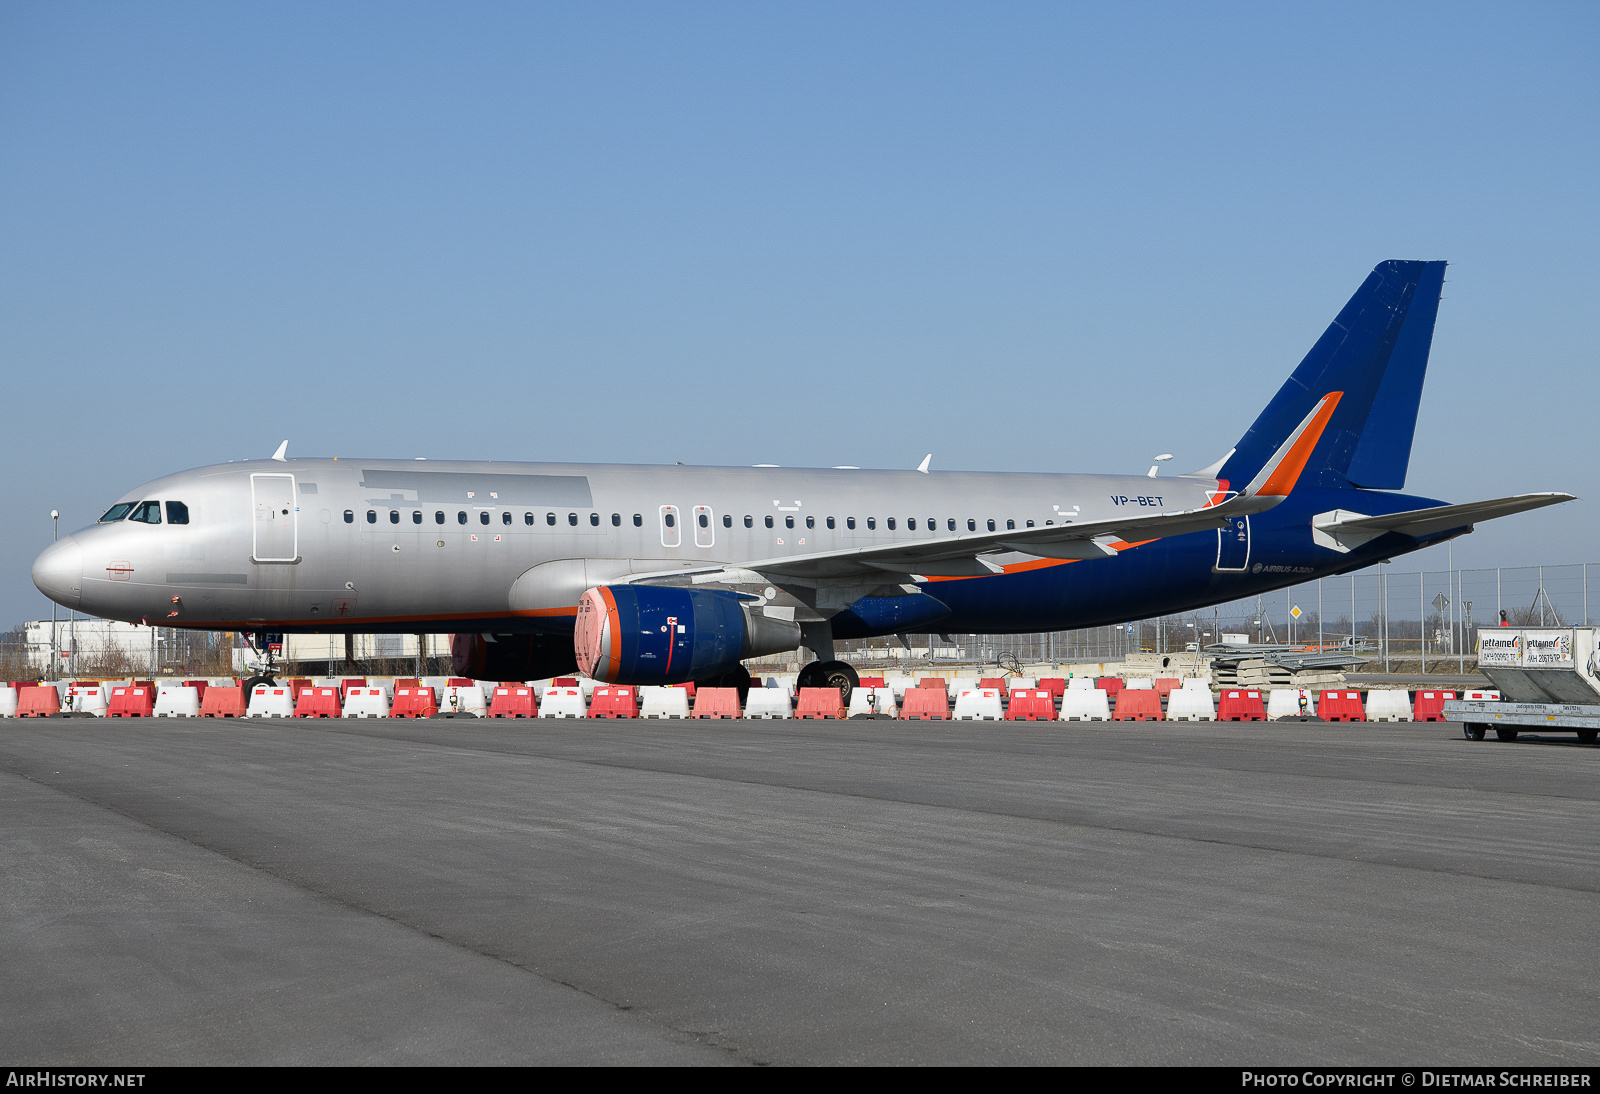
660,575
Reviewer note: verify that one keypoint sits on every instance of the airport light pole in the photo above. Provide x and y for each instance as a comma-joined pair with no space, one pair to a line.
55,537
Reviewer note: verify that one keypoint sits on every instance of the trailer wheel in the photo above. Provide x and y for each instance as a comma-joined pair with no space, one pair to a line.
1587,736
1505,733
1473,731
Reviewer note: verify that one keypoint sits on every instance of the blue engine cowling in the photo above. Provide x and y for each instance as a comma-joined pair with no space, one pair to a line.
645,634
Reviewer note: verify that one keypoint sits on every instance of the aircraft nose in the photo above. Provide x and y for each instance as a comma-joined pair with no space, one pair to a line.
58,572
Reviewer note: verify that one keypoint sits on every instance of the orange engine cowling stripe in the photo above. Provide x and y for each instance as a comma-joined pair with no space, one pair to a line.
614,622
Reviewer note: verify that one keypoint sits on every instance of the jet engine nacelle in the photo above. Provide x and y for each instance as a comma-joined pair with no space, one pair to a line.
647,634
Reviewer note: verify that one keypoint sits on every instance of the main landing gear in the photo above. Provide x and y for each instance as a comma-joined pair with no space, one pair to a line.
829,674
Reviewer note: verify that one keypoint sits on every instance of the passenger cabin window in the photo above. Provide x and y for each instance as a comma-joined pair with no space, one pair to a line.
461,516
1030,524
704,521
911,524
349,516
372,516
394,516
972,525
749,522
148,512
830,522
550,519
890,523
177,513
811,522
117,512
638,520
872,523
505,518
788,522
991,525
850,523
727,520
483,516
527,518
416,516
670,520
1011,525
952,524
594,520
438,516
572,519
616,520
769,521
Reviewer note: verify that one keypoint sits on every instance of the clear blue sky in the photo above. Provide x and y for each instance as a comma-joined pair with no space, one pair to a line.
1024,237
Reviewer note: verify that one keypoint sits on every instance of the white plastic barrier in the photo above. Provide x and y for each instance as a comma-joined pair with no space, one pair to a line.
8,702
562,703
1085,705
1285,702
588,686
437,683
88,700
767,703
367,702
463,700
958,684
1388,705
899,684
1196,683
177,702
655,702
1081,683
1481,696
268,701
1190,705
1022,683
872,701
1140,683
978,705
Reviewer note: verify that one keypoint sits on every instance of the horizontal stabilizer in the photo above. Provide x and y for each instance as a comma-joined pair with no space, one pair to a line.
1343,531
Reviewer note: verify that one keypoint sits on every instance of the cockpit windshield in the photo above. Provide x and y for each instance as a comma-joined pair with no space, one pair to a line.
117,512
148,511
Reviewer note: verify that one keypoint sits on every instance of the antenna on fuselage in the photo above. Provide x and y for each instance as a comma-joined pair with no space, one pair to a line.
281,455
923,466
1161,459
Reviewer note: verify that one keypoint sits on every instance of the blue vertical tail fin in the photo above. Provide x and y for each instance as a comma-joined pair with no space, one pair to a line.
1375,353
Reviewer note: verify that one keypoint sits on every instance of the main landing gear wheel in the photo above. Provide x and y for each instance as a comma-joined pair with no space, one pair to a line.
1505,733
737,678
829,674
1473,731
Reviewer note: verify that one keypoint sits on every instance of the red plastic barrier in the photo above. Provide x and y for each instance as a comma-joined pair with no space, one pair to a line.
223,702
717,703
413,703
937,683
1031,706
1241,706
689,687
38,702
351,682
927,704
1055,685
513,702
407,682
1110,684
1165,684
1137,705
199,688
996,682
1341,706
871,682
819,703
132,701
296,686
318,702
459,682
613,701
1429,706
564,682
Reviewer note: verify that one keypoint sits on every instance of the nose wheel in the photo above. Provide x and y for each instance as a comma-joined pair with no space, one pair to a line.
829,674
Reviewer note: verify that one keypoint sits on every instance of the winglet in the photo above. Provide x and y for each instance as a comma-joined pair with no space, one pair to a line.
923,466
1277,479
281,455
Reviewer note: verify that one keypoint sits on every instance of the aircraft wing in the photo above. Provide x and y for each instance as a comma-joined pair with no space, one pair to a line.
1345,530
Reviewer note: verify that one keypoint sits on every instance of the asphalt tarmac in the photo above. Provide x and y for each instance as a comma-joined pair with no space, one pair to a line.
790,893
